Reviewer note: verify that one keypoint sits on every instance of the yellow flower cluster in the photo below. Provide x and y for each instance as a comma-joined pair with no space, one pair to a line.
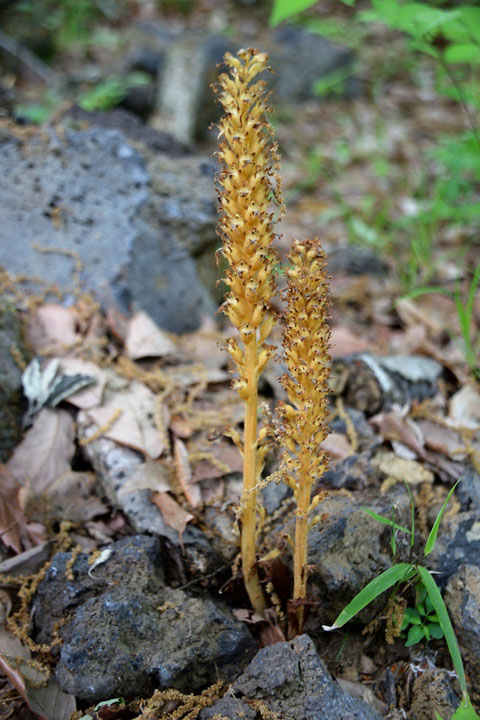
249,184
303,422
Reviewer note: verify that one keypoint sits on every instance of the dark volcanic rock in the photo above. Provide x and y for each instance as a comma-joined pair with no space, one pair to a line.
462,598
131,634
12,405
348,548
127,213
458,543
289,678
432,692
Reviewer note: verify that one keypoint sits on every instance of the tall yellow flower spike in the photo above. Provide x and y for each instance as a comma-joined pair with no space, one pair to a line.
249,183
303,422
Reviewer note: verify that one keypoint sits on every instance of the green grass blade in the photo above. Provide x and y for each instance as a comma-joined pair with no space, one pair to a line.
445,623
397,573
386,521
412,513
432,538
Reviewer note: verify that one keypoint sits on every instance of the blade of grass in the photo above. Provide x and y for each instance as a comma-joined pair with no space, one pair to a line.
397,573
432,538
445,623
412,511
386,521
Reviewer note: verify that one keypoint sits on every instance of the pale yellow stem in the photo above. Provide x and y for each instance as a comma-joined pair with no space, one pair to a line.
250,466
300,570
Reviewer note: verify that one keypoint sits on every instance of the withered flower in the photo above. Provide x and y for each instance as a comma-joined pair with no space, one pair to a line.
303,422
249,184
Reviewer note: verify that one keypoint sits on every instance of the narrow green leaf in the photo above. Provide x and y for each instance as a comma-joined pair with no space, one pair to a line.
465,711
445,623
397,573
437,716
386,521
432,538
283,9
412,514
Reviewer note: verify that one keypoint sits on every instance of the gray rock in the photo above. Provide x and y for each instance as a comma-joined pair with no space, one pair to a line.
468,491
348,549
289,678
432,692
188,65
131,634
135,563
458,543
462,598
190,555
12,404
353,472
90,192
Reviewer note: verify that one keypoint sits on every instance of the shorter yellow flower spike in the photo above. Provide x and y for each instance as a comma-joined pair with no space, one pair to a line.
303,422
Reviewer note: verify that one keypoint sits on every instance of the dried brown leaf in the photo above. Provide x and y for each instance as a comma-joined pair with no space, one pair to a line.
53,328
181,426
10,510
395,426
225,459
337,445
401,469
69,497
135,427
145,339
344,342
50,702
14,662
442,439
151,475
45,452
91,396
28,562
464,411
173,513
184,474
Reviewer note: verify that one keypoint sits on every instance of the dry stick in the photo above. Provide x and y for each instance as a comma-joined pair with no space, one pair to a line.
248,182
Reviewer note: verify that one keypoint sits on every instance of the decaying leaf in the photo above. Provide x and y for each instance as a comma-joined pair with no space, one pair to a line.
135,427
337,445
220,458
151,475
45,452
10,510
53,328
145,339
90,396
395,425
50,702
173,513
401,469
48,387
464,409
69,497
184,474
15,664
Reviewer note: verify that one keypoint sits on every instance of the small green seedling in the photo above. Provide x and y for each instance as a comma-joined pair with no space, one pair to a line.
422,620
408,573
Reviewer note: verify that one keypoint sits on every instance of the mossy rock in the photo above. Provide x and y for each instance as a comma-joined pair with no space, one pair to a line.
12,402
